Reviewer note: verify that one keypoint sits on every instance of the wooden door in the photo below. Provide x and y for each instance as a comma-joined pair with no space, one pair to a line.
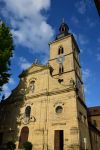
1,138
58,140
23,136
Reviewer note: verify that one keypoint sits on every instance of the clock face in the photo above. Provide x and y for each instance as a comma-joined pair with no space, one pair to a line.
60,59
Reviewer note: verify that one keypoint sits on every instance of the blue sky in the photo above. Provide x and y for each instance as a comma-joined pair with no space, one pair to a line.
35,23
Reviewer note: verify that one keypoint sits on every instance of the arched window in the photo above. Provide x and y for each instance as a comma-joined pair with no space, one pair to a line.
61,69
60,50
28,111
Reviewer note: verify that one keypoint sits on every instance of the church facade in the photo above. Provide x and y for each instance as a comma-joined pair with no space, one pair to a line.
48,106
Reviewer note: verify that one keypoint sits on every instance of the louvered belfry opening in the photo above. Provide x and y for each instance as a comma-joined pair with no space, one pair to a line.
23,137
60,50
58,140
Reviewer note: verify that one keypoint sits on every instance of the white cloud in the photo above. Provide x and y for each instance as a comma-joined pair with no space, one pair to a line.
6,87
98,57
98,40
86,74
91,23
75,20
83,39
23,63
81,50
6,90
81,7
11,81
29,25
86,89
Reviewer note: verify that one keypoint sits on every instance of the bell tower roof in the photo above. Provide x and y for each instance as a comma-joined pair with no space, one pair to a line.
64,30
63,27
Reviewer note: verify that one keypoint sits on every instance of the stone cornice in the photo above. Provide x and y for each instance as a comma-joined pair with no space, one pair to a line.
63,55
64,72
50,93
21,98
69,35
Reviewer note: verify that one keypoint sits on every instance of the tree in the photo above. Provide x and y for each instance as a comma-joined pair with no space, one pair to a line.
6,52
11,145
27,145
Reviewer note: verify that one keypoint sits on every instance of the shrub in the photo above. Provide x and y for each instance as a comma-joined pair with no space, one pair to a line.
27,145
11,145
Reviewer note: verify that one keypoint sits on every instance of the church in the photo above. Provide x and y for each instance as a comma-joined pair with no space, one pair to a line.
48,108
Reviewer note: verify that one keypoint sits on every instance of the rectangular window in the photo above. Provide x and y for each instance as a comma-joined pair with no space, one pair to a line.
58,140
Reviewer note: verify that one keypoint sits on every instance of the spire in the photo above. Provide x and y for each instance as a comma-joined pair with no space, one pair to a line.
63,20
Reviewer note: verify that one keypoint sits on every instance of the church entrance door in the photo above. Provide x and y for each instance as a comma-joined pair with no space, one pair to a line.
23,136
58,140
1,138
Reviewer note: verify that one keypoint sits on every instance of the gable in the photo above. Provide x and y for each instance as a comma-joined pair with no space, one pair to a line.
33,69
36,68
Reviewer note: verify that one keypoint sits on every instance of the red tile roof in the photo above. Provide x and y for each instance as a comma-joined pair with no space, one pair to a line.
93,111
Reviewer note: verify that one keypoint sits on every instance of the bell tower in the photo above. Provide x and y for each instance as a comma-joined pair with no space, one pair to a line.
68,117
64,59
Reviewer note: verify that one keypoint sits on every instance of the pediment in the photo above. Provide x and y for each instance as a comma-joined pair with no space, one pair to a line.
36,68
32,69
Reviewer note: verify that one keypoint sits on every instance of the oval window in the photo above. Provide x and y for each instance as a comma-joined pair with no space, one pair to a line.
59,109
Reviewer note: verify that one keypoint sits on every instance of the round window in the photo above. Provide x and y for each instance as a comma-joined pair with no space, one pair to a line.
59,109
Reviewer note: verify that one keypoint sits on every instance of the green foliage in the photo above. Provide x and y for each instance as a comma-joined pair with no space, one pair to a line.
6,52
11,145
27,145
